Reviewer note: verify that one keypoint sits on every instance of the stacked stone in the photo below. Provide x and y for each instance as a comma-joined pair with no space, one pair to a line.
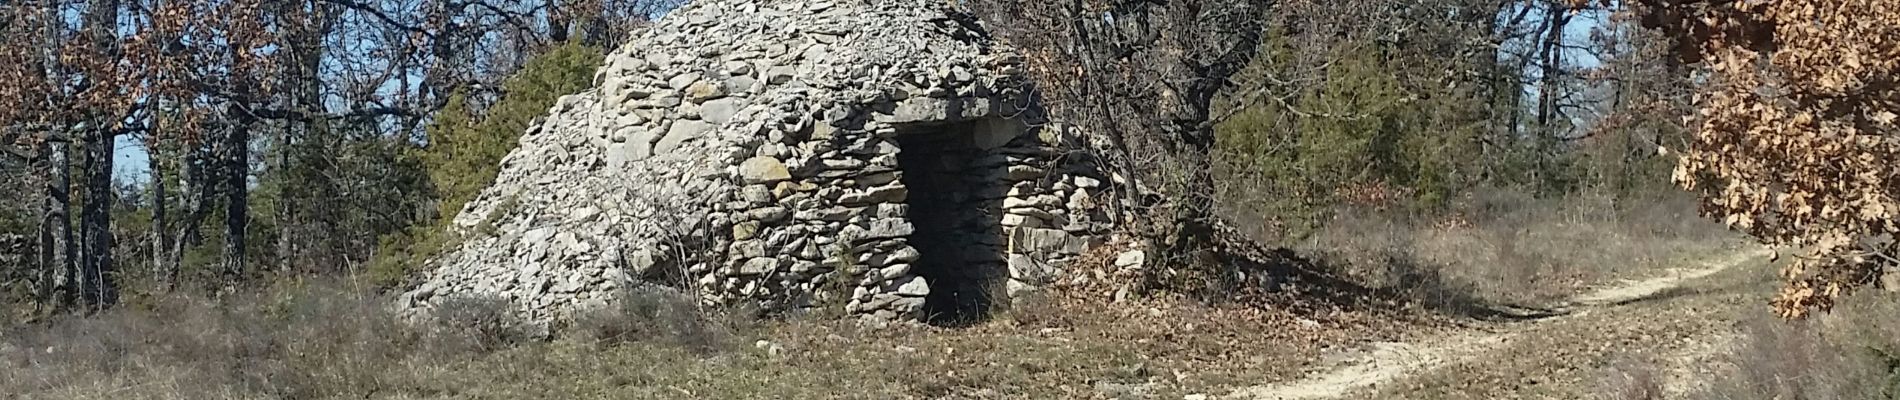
748,151
1050,218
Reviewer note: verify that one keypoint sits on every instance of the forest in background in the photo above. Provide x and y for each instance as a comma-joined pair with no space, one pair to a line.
284,139
330,138
1446,157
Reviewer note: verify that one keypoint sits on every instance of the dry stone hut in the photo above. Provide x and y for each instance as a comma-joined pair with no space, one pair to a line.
881,157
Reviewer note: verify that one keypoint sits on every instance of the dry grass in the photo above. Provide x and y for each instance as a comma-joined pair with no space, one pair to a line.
1505,248
319,342
1852,353
301,342
1631,379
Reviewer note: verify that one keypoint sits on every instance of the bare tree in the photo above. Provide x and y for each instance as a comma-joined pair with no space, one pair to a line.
1141,76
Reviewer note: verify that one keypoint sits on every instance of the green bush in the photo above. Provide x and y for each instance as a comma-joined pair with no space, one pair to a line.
1364,126
465,148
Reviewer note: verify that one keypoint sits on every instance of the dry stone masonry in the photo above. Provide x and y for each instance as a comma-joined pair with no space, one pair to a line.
879,158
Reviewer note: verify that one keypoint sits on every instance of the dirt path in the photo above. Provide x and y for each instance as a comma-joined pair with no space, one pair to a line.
1388,362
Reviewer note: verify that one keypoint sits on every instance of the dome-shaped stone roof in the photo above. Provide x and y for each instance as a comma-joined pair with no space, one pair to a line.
798,154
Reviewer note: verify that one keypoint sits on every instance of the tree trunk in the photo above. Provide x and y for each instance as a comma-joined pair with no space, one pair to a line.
98,283
69,247
1551,56
237,200
98,288
287,226
56,234
163,269
194,196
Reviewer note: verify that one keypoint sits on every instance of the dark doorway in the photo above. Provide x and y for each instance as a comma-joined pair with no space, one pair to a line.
955,203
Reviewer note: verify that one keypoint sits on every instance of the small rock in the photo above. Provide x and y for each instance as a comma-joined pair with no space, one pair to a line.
1087,182
682,81
756,195
745,230
720,111
770,215
740,84
894,271
917,287
763,170
748,249
738,68
1132,259
779,75
682,131
702,91
758,266
891,228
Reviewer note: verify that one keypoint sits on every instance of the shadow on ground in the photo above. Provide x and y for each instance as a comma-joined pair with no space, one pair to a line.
1312,284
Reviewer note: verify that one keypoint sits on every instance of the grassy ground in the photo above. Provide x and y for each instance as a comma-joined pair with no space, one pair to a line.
318,342
1851,353
1713,338
323,342
1650,347
1513,250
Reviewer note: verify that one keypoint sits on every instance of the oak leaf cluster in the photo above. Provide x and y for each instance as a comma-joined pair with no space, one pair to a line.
1795,141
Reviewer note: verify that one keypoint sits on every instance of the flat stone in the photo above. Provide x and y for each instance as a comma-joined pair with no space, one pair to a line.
1039,239
756,194
657,58
834,214
916,287
1087,182
1025,221
901,255
891,228
894,271
702,91
745,230
682,81
1076,244
641,262
619,155
770,215
1024,268
738,68
892,210
817,54
634,93
763,170
779,75
758,266
748,249
881,194
922,109
741,84
784,189
877,179
721,111
1132,259
961,74
1023,173
682,131
823,132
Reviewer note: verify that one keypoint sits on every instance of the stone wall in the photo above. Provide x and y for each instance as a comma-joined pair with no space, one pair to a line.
876,157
